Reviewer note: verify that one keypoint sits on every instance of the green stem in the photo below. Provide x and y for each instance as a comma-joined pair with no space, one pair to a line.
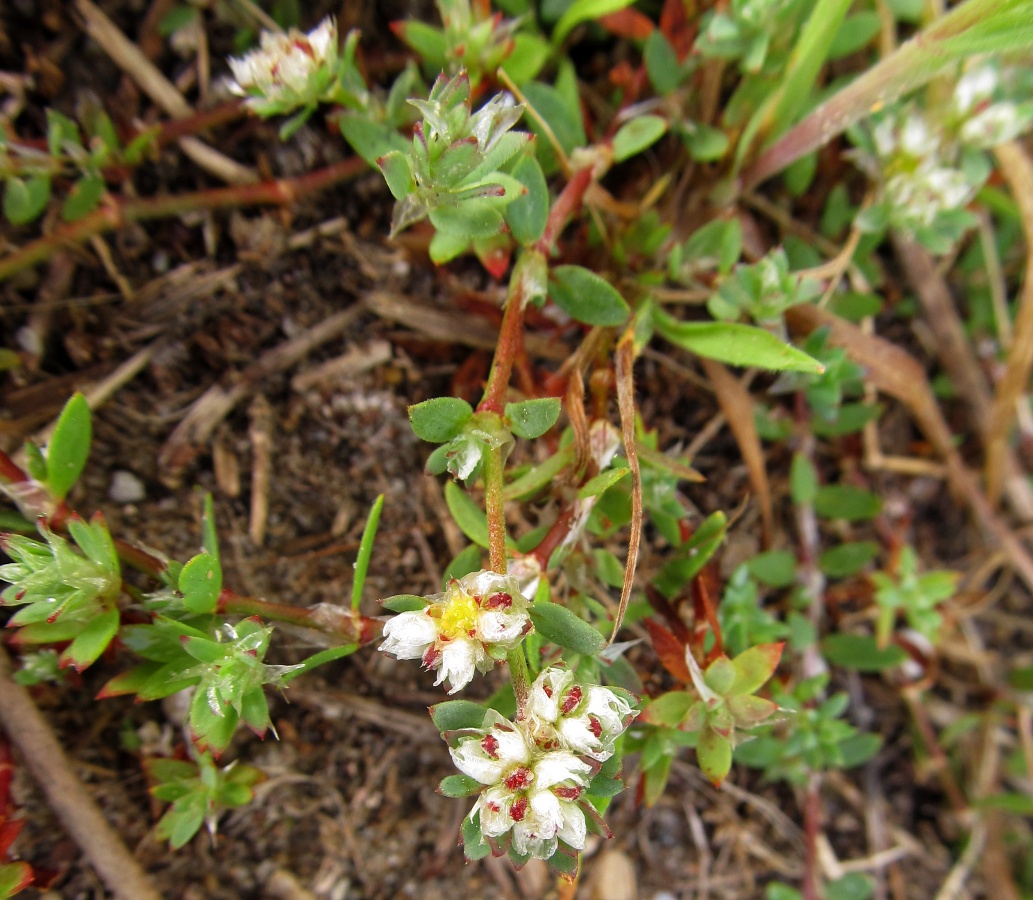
495,508
521,680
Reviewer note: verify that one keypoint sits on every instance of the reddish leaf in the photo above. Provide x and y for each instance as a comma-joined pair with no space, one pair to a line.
8,832
706,612
628,23
670,650
674,25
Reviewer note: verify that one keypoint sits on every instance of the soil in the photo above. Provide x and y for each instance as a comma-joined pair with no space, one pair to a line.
349,809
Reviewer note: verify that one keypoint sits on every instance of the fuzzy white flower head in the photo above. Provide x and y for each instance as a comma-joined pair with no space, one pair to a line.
287,70
535,799
478,619
584,719
917,138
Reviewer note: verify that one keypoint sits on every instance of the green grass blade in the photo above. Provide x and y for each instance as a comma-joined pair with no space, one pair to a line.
366,550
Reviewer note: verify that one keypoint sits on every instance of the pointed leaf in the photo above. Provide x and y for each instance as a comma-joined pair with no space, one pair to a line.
527,215
668,710
714,754
558,624
69,446
459,786
754,667
587,297
92,640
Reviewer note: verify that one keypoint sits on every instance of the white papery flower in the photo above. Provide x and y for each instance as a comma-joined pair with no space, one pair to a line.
288,70
478,619
994,125
584,719
535,797
974,87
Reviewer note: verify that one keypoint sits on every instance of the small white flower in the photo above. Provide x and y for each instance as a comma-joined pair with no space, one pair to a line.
476,621
974,87
994,125
527,570
917,139
283,72
500,750
585,720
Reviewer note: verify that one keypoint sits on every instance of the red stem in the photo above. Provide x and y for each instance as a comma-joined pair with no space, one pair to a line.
510,346
554,537
119,212
563,210
9,471
812,826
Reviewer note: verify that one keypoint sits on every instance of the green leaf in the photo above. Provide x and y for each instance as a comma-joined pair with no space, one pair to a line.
200,583
454,715
859,749
803,480
404,603
586,297
396,173
856,32
844,501
736,344
638,134
754,667
714,754
1016,804
474,845
61,131
775,568
83,198
661,61
558,624
366,551
319,659
861,652
668,710
428,42
532,418
439,419
465,561
459,785
209,538
847,559
527,215
704,142
584,11
36,463
530,53
369,138
92,640
602,482
25,199
14,877
468,515
475,218
69,446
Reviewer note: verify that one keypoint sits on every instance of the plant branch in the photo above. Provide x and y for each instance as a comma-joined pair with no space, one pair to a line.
510,345
119,213
564,209
495,509
79,814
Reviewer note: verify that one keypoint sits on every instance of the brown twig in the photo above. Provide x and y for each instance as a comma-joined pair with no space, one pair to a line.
737,406
1017,169
79,814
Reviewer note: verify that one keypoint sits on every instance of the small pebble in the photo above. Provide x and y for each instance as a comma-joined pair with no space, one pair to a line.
126,487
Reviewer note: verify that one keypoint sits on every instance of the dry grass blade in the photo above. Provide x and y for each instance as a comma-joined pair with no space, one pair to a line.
737,405
1017,169
895,372
625,358
134,63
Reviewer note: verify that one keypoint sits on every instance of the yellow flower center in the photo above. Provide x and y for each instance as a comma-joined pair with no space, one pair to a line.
459,616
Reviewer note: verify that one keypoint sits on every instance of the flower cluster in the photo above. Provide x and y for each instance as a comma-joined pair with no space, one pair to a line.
289,70
931,162
535,770
478,619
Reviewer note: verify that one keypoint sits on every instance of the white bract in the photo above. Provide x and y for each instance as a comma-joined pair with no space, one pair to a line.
288,70
585,719
478,619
